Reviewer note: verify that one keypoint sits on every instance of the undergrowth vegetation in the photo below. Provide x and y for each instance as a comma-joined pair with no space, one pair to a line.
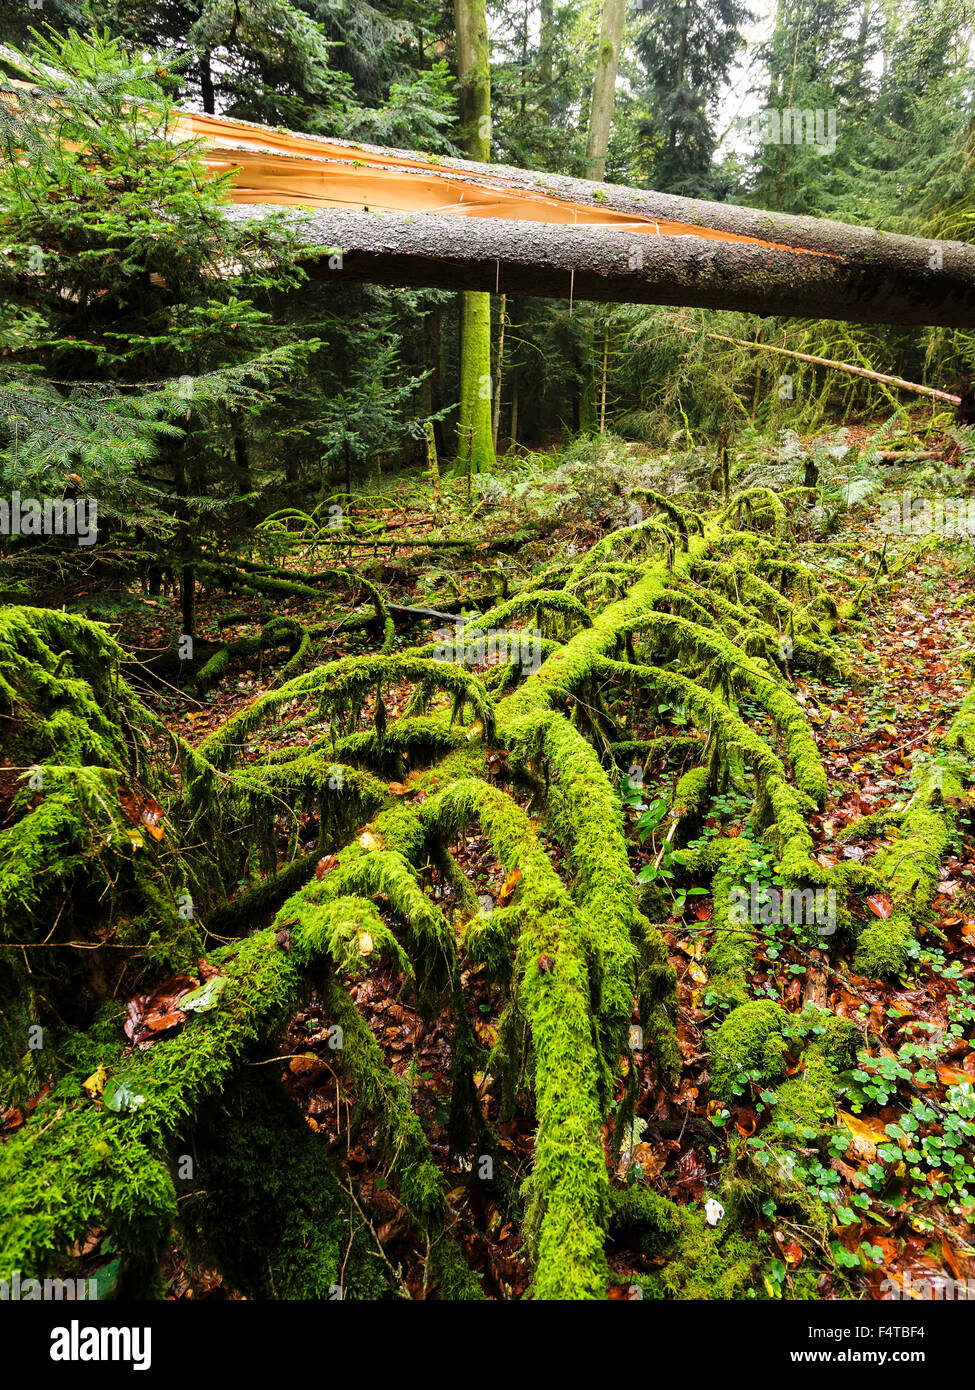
638,741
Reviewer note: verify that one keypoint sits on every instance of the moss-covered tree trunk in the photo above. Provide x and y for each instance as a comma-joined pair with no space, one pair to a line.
475,435
474,80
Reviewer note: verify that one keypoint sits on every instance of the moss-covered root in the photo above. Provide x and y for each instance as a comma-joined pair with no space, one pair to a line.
78,1163
778,804
342,687
733,947
691,1261
755,1038
757,503
587,816
913,862
279,631
567,1191
691,639
90,1164
800,1057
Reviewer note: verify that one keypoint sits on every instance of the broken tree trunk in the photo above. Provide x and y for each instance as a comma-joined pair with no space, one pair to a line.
406,219
881,281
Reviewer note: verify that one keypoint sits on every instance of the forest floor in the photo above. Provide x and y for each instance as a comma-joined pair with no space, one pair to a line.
908,1215
912,680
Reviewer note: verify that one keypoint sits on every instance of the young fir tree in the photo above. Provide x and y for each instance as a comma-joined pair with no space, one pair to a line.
910,163
131,294
540,63
818,64
685,49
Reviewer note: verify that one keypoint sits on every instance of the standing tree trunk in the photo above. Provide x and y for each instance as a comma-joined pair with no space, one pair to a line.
207,93
604,88
348,473
433,350
792,86
243,482
474,90
187,594
500,361
186,568
546,44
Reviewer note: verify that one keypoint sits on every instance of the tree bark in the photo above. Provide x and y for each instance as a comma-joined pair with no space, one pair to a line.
546,43
521,232
604,88
207,94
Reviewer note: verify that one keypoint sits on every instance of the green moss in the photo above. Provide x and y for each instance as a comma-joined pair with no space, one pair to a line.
476,447
569,961
809,1100
452,1277
733,945
753,1038
840,1038
656,999
567,1191
912,866
690,792
750,1039
587,815
687,639
707,1265
638,1212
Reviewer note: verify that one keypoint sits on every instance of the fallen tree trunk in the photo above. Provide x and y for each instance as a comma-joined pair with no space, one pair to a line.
897,381
873,282
401,218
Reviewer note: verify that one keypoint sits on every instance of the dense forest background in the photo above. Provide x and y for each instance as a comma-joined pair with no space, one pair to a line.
693,79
